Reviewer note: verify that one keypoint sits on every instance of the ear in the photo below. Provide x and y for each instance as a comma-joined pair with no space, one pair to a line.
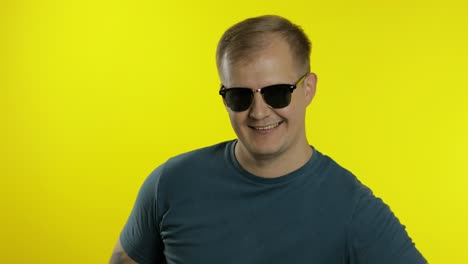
310,85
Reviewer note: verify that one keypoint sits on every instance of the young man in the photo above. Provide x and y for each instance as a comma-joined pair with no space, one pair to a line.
267,197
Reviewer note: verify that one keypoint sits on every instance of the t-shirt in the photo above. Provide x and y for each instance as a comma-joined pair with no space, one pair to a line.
203,207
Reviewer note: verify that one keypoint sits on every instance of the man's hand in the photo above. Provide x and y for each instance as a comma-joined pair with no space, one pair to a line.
119,256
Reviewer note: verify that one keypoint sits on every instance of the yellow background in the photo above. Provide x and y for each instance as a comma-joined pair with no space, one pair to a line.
95,94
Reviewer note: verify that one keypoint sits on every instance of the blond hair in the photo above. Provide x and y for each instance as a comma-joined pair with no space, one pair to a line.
253,34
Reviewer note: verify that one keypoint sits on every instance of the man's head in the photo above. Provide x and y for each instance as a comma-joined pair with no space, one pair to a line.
260,52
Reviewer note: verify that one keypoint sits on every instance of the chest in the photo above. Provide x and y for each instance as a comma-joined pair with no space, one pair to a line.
227,224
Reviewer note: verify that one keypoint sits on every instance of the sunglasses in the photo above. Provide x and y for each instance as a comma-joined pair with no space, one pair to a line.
239,99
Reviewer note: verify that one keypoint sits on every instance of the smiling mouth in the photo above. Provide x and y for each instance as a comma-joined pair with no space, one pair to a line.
266,127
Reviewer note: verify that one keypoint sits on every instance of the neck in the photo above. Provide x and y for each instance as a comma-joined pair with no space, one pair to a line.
274,165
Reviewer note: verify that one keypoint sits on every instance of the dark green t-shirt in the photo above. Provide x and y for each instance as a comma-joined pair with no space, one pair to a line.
203,207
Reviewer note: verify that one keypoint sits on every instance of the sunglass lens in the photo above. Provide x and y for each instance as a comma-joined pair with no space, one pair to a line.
278,96
238,99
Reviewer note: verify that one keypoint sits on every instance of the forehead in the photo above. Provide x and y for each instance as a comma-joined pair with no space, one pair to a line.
272,64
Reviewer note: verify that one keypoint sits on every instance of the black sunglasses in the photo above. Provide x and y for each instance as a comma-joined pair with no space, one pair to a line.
239,99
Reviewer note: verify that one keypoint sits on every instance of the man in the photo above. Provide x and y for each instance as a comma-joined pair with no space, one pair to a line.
267,197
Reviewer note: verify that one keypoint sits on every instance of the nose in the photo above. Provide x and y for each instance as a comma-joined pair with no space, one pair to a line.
259,109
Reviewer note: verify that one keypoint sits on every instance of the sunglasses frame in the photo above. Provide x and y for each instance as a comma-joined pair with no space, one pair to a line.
291,87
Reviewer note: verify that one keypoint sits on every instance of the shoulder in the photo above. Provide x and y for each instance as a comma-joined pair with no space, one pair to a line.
190,167
340,188
202,157
340,179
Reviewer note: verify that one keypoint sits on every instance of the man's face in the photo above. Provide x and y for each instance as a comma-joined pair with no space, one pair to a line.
265,132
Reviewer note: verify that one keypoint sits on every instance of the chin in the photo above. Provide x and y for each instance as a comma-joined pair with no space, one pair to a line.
263,150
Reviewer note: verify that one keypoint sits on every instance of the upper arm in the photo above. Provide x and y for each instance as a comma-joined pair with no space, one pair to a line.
119,256
377,236
140,238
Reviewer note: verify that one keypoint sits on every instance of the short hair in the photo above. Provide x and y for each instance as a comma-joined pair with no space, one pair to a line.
252,35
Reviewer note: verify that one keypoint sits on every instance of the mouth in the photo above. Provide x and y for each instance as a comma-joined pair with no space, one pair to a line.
268,127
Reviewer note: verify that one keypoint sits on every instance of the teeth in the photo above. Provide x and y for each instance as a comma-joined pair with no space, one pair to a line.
268,127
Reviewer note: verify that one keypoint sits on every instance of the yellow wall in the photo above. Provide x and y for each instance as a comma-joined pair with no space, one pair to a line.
95,94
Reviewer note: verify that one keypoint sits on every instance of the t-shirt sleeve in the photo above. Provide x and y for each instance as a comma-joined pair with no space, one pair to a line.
377,236
140,237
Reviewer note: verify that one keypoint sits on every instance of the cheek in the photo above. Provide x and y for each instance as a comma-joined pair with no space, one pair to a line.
236,119
286,113
293,114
